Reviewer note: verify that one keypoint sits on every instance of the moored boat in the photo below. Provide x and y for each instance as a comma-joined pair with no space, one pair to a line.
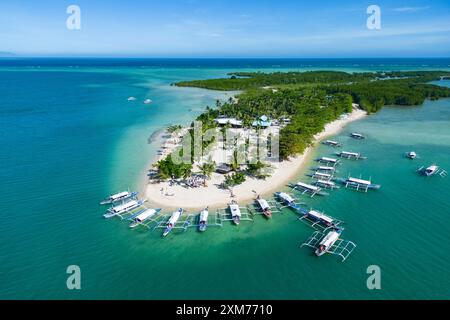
359,184
172,221
235,212
203,220
265,207
123,208
332,143
357,135
411,155
144,216
328,241
350,155
119,197
320,218
328,160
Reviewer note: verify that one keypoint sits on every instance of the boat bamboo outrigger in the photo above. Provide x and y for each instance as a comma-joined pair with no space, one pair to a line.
324,169
123,208
321,175
235,212
119,197
330,242
319,219
264,207
432,170
332,143
309,189
172,221
203,220
350,155
357,135
329,161
358,184
327,184
411,155
143,217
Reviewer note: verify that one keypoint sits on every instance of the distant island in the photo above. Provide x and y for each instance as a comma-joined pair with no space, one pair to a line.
296,108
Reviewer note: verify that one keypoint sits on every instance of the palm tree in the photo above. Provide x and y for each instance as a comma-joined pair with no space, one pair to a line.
207,169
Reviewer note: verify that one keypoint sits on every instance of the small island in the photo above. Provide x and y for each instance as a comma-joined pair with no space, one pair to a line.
293,110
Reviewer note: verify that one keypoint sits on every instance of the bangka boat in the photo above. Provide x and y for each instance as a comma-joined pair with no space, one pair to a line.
359,184
321,176
235,212
332,143
172,221
119,197
123,208
285,198
131,99
350,155
328,160
144,216
357,135
203,220
324,169
319,217
326,184
265,207
309,188
432,170
327,242
411,155
148,101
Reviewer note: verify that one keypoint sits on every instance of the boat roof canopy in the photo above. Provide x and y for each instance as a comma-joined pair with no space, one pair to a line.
360,181
308,186
120,195
125,205
145,215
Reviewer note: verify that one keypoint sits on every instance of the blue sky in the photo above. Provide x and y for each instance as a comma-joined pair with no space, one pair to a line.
226,28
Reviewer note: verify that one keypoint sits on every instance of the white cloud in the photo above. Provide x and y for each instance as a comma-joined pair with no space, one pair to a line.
410,9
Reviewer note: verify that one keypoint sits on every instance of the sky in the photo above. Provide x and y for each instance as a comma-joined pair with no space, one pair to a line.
225,28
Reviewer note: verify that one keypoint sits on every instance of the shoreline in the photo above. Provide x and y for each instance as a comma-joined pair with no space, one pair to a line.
167,197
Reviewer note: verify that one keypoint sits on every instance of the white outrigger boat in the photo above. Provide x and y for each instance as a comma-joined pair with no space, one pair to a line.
326,184
324,169
432,170
148,101
359,184
411,155
350,155
203,220
119,197
330,242
235,212
357,135
172,221
332,143
265,207
309,188
143,217
321,175
327,160
319,218
123,208
131,99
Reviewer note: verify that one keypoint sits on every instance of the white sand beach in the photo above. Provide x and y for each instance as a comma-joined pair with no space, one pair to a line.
169,197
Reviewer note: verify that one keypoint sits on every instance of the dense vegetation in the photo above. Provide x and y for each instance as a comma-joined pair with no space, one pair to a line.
309,100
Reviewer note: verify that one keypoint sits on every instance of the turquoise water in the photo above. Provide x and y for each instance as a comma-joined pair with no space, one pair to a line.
69,137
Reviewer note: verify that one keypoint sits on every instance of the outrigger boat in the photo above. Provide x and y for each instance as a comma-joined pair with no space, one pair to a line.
285,198
327,242
328,160
144,216
332,143
411,155
350,155
359,184
432,170
203,220
330,242
172,221
265,207
235,212
123,208
119,197
320,218
308,188
326,184
321,176
357,135
324,169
